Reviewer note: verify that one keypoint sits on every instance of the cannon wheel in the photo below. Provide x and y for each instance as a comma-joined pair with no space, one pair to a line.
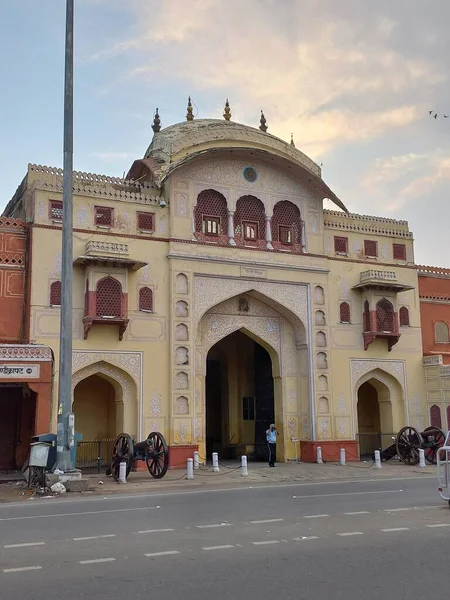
409,442
123,450
157,455
437,437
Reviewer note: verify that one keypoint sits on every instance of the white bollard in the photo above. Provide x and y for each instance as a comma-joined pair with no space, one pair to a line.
190,469
342,458
244,470
319,456
422,462
196,460
215,460
123,472
377,459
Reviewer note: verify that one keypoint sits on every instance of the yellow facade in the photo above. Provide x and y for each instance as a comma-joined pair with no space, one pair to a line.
215,303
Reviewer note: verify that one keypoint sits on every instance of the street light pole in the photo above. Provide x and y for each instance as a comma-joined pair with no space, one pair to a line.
65,430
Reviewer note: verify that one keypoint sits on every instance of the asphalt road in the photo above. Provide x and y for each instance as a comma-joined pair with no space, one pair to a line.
383,538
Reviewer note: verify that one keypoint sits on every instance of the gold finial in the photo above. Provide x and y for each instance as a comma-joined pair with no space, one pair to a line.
292,140
190,111
227,111
263,122
156,122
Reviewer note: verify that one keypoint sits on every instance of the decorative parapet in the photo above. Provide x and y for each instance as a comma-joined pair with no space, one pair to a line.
25,352
106,248
429,361
373,275
12,224
445,370
92,184
441,298
439,271
334,219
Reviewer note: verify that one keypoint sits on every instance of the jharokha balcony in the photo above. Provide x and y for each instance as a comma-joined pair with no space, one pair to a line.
380,319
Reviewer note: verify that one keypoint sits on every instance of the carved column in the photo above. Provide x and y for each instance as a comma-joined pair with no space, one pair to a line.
303,236
231,228
269,233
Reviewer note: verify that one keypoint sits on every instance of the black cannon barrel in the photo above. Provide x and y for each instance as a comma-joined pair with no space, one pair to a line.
142,446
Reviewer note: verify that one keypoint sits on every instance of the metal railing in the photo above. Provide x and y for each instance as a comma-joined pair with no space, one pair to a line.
94,456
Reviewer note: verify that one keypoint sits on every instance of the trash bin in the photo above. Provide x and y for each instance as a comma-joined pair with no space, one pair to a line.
49,438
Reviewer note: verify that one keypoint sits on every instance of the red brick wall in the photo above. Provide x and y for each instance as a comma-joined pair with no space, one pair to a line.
434,293
13,246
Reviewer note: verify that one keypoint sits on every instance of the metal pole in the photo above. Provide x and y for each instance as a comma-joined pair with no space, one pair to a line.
65,419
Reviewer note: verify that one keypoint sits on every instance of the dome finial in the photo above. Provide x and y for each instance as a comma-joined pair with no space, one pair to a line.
292,140
190,111
262,121
227,111
156,122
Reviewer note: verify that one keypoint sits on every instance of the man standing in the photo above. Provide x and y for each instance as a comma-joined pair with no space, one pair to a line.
271,437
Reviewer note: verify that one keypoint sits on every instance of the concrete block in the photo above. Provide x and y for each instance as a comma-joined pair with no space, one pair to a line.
77,485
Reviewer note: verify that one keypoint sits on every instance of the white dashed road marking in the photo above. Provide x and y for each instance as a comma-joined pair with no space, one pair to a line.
18,569
24,545
266,521
94,537
348,533
349,494
224,547
213,525
395,529
77,514
265,543
358,512
167,553
155,530
306,537
315,516
96,560
439,525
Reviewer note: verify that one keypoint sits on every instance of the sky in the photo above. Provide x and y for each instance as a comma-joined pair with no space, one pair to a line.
353,80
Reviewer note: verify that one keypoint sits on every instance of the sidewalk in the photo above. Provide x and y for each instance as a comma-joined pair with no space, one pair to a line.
259,474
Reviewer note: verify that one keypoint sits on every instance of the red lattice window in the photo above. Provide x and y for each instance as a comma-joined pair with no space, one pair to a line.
103,216
108,302
366,319
55,210
399,251
250,211
370,248
404,317
286,221
145,221
344,312
55,293
385,316
435,416
286,235
250,231
341,245
211,205
211,226
146,299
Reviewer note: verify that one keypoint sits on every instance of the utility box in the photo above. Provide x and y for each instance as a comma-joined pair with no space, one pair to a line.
50,439
39,454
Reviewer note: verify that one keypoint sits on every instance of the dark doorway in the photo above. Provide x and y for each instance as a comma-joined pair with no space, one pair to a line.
17,410
369,421
239,398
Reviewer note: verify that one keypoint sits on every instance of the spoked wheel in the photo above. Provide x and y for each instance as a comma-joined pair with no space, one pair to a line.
434,439
409,442
158,455
123,450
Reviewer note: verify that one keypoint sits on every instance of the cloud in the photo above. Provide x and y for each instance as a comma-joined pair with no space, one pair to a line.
440,173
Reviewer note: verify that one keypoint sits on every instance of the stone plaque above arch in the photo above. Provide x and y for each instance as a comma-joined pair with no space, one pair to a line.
210,291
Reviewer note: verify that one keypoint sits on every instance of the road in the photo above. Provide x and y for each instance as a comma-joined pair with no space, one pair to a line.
343,540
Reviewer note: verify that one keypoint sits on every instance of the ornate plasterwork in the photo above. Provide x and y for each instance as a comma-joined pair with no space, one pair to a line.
396,368
181,381
322,383
181,356
155,404
216,327
114,373
130,362
182,431
198,430
162,224
210,291
291,427
181,309
25,352
324,405
182,285
181,333
319,295
144,274
320,318
342,404
57,266
182,406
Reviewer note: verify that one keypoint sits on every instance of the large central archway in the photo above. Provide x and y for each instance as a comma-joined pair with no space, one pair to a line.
240,398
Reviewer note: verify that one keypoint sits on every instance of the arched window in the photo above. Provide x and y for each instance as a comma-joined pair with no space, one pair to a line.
108,302
344,312
146,299
286,224
211,214
385,316
435,416
404,317
366,316
441,333
55,293
249,220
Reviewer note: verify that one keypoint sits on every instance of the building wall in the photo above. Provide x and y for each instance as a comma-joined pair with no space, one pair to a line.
434,290
13,249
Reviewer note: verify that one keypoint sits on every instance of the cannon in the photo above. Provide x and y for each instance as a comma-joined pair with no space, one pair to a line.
153,451
410,440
